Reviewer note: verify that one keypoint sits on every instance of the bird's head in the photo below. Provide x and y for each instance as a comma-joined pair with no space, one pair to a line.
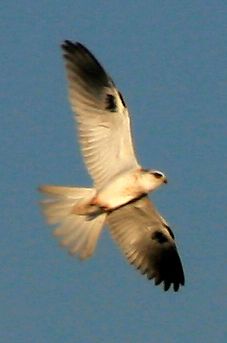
152,179
159,176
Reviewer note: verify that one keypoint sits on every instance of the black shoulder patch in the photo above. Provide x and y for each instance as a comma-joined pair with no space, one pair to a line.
111,103
159,237
122,99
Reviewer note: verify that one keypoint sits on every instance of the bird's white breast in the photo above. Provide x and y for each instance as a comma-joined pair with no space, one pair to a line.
122,189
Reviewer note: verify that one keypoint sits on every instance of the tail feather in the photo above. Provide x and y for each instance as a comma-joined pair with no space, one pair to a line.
93,233
78,233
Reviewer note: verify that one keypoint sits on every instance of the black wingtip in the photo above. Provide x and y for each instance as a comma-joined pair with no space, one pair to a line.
69,46
75,48
84,65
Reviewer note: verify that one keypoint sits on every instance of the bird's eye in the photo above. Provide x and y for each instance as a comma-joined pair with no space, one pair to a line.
158,175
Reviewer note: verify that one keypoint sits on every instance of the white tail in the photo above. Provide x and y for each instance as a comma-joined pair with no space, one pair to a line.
79,233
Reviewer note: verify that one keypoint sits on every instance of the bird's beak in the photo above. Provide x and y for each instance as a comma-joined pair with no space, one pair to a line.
165,180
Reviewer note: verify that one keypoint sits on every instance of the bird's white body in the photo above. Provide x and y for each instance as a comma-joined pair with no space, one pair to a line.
120,190
126,187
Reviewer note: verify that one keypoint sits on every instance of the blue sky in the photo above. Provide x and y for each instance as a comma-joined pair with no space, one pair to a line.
169,60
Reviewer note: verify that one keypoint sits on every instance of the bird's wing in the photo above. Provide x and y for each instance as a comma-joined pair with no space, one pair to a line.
102,116
147,242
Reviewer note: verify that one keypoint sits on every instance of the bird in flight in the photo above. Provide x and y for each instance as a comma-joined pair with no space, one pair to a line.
118,197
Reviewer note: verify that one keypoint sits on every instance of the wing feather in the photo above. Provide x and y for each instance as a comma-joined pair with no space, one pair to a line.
147,242
102,116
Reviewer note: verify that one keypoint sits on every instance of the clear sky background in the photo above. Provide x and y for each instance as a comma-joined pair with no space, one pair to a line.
169,60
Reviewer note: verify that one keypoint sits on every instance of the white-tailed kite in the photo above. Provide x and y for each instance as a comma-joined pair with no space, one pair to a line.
119,194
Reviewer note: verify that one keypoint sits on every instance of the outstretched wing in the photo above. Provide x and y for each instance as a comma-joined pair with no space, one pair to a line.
147,242
102,116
